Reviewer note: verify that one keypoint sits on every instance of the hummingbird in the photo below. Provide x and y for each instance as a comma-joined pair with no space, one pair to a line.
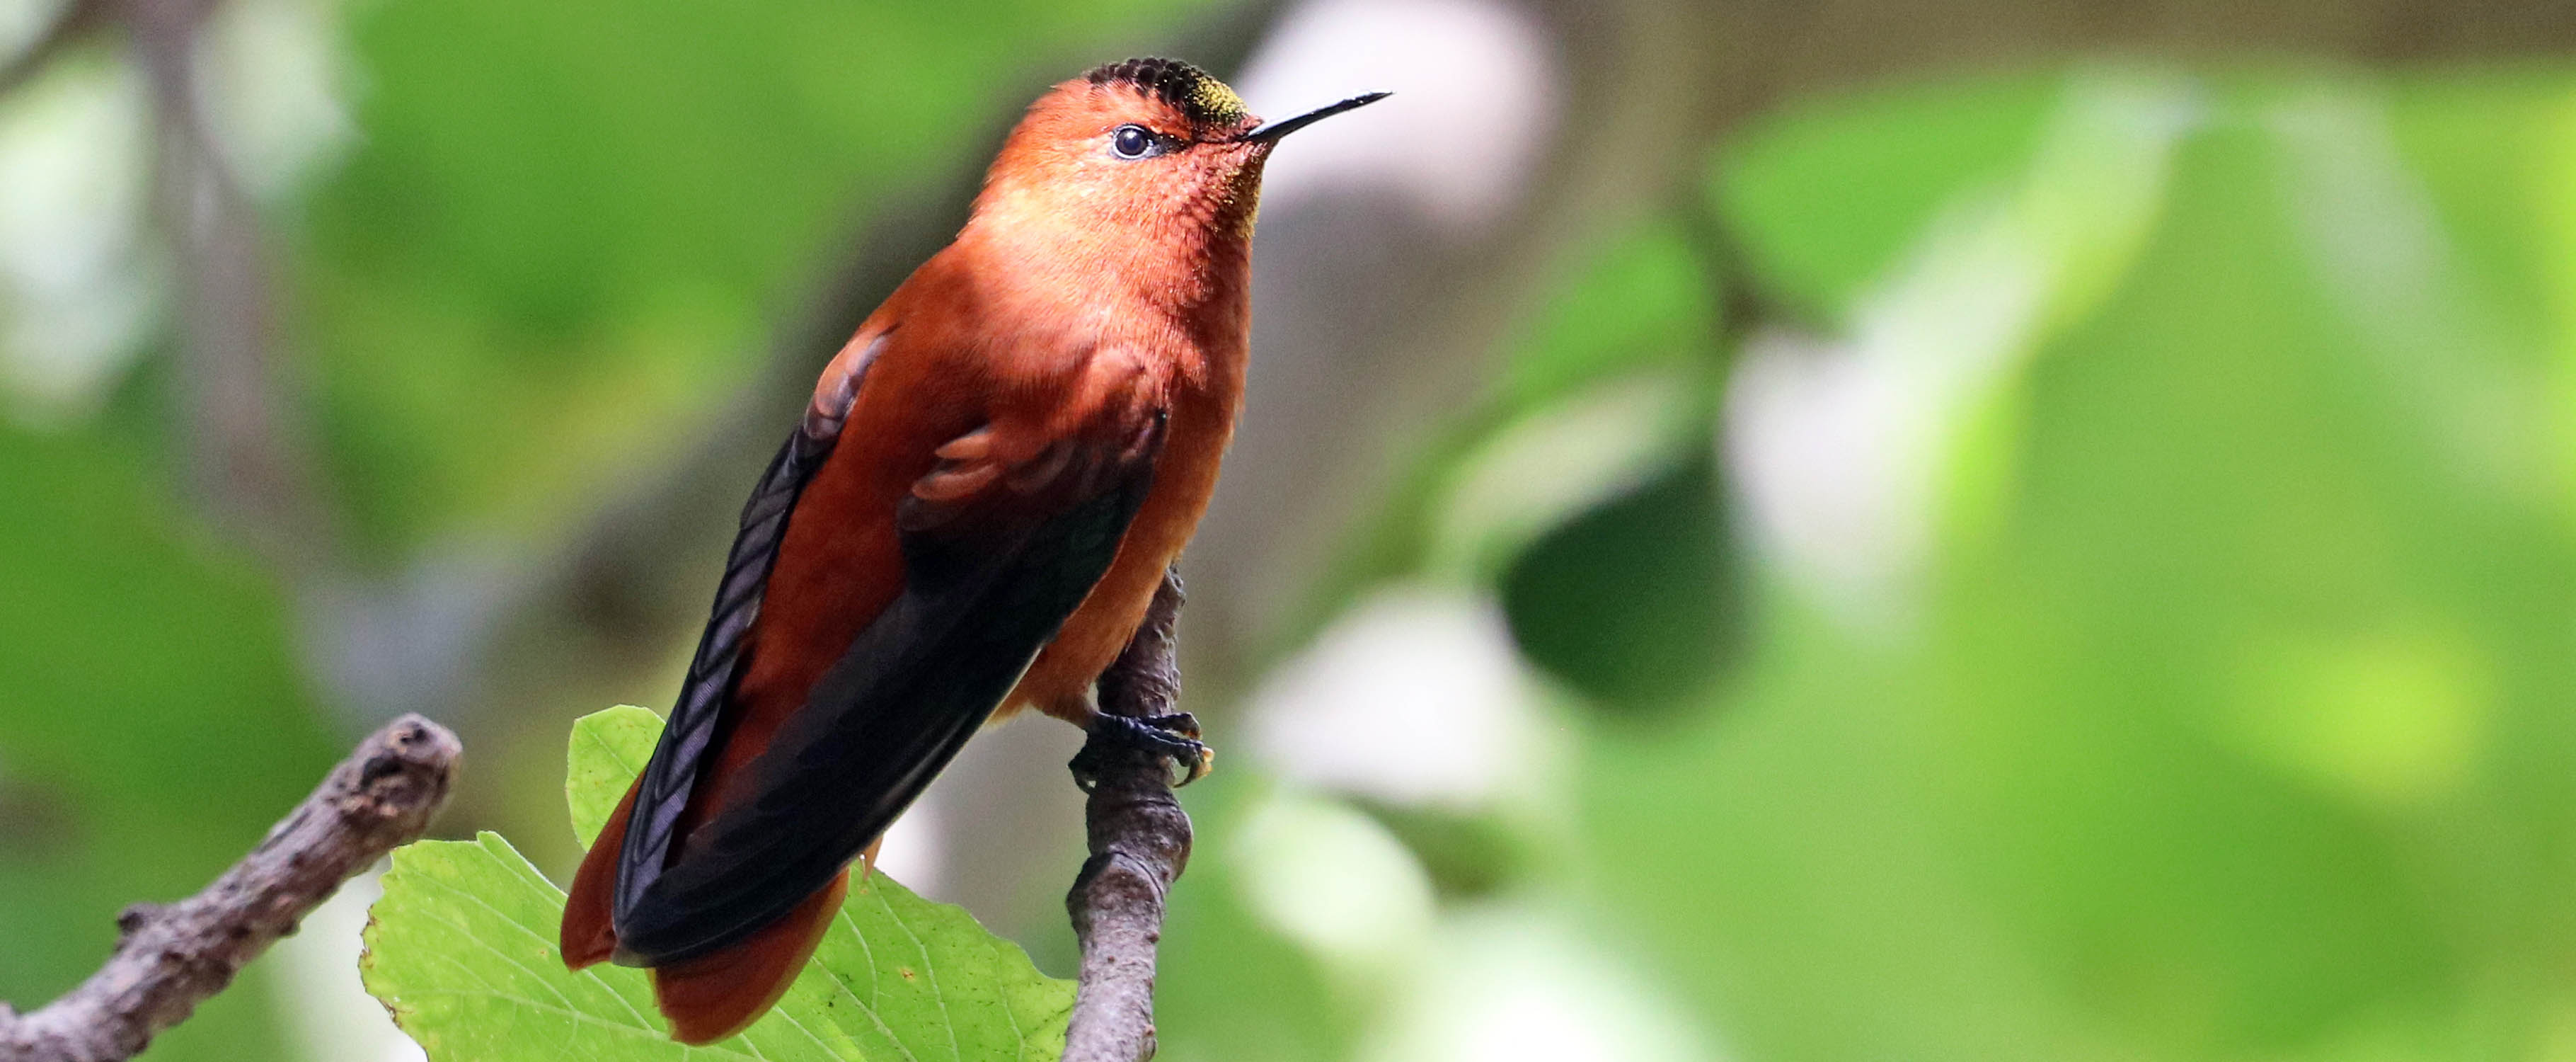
970,519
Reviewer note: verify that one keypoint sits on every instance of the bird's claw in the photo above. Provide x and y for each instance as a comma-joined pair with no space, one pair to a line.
1173,736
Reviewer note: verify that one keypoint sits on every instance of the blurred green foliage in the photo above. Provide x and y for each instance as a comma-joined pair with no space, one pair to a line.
567,227
2227,717
2240,729
1826,197
156,722
1654,629
2221,714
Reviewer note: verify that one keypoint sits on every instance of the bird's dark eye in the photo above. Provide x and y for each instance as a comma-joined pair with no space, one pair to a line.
1132,142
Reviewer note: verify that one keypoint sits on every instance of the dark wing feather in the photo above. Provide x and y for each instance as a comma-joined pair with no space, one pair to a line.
662,792
985,589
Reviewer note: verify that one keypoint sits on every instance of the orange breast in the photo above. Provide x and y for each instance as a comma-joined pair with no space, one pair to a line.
1059,682
944,373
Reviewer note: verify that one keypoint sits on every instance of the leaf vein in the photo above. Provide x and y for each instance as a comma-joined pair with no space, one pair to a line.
929,969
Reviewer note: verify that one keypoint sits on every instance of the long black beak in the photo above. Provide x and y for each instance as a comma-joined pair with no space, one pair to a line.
1275,130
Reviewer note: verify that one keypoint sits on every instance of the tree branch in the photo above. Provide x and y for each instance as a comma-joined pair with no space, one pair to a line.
1140,841
169,958
244,455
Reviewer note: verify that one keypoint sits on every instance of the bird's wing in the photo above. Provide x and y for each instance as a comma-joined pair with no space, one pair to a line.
997,552
689,734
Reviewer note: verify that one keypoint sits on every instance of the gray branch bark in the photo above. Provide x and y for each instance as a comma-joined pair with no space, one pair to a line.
1140,841
245,457
169,958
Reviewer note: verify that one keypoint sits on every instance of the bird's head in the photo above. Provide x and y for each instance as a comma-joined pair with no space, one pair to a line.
1151,149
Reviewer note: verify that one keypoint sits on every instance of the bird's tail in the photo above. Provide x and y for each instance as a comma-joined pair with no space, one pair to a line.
588,934
717,994
712,996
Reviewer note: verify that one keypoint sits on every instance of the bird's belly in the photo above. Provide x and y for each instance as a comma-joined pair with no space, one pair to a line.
1059,681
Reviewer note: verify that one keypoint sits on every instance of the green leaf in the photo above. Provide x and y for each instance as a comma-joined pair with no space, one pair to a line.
608,750
1637,603
462,950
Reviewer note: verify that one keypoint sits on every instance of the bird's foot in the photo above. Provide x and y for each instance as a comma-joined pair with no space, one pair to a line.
1173,736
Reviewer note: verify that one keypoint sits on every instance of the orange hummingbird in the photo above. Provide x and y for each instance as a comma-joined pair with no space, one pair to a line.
971,518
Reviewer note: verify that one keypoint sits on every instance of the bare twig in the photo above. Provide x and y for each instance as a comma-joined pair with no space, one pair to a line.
169,958
1140,841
